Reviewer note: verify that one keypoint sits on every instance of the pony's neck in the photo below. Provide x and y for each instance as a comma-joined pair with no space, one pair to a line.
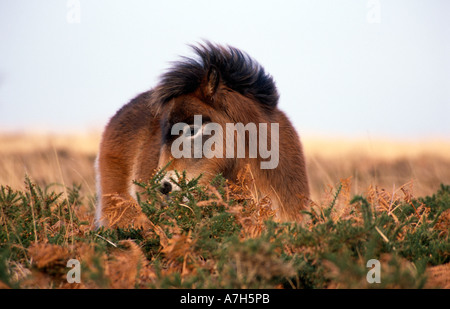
287,184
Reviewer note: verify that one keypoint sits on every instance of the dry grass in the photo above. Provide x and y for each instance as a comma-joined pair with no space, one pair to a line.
49,159
384,163
67,159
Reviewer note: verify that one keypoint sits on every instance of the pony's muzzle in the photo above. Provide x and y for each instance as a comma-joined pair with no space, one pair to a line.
167,184
166,187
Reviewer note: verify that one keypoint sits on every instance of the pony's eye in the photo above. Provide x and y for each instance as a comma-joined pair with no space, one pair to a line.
192,131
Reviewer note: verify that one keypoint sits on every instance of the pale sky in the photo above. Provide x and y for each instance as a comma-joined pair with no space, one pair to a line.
348,68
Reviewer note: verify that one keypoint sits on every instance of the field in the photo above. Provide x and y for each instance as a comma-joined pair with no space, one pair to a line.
371,199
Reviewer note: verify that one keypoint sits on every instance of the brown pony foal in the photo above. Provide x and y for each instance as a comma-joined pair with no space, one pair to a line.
224,86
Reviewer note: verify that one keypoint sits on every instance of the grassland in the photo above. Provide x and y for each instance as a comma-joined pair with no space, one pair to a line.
370,199
68,159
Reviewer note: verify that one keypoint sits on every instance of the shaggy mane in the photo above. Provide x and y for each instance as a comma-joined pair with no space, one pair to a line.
237,71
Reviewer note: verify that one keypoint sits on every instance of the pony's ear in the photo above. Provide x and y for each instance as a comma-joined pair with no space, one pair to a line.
212,83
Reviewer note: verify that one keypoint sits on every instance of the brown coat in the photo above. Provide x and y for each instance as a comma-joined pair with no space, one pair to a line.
224,86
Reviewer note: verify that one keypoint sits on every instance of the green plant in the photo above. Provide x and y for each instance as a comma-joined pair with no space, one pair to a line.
218,236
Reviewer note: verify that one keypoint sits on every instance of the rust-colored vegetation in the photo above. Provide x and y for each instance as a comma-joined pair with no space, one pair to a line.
363,206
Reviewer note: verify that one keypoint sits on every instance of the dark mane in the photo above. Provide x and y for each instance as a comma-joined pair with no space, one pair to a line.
236,69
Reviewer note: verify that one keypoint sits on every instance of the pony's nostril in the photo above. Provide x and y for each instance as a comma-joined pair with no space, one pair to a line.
165,188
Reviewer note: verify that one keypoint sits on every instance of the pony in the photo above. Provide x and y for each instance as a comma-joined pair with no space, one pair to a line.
223,85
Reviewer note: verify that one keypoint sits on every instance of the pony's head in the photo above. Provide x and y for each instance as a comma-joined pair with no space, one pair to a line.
199,99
